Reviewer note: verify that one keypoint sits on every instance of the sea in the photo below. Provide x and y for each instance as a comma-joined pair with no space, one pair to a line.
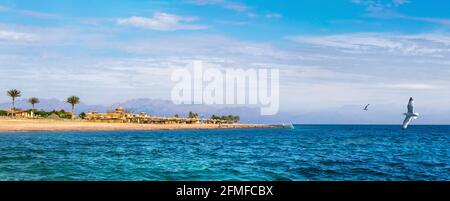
305,153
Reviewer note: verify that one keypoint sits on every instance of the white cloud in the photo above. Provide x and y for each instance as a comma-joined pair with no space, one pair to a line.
236,23
273,15
13,36
236,7
204,45
252,15
30,13
388,10
311,72
431,44
162,22
223,3
400,2
442,21
410,86
381,4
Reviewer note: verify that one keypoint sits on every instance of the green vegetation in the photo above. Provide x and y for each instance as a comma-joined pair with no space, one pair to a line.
227,118
13,93
60,114
33,101
82,115
42,113
73,100
193,115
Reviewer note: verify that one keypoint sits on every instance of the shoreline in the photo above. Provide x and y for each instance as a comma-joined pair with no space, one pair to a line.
37,125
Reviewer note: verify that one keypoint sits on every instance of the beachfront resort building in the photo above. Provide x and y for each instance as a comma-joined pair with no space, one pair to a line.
119,115
18,113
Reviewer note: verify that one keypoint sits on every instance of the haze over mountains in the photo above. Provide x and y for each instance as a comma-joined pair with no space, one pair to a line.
348,114
155,107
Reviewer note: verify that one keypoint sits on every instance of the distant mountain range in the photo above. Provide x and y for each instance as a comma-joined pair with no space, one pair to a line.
155,107
349,114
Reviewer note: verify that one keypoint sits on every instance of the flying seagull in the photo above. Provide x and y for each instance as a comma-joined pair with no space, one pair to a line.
366,107
410,114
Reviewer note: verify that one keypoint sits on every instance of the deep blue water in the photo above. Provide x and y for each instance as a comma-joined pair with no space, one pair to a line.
308,152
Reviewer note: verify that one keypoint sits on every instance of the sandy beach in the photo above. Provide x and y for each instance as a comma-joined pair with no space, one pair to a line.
27,125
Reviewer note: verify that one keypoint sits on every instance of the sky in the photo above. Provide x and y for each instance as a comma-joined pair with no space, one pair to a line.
332,55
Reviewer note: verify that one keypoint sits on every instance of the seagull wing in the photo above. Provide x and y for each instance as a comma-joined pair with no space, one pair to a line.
406,121
411,106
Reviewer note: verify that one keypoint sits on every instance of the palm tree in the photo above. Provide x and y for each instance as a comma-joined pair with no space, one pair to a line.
73,100
32,101
192,115
13,93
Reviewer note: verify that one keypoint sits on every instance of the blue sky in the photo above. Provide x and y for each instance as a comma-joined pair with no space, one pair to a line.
292,17
332,54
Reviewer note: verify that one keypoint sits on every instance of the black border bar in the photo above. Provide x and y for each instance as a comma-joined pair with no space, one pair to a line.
237,190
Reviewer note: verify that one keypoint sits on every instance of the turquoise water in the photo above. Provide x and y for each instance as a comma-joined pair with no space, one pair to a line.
304,153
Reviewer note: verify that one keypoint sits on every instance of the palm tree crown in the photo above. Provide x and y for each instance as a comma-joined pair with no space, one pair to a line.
73,100
33,101
13,93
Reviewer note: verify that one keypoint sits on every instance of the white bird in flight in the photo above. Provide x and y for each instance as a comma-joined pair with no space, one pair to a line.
410,113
